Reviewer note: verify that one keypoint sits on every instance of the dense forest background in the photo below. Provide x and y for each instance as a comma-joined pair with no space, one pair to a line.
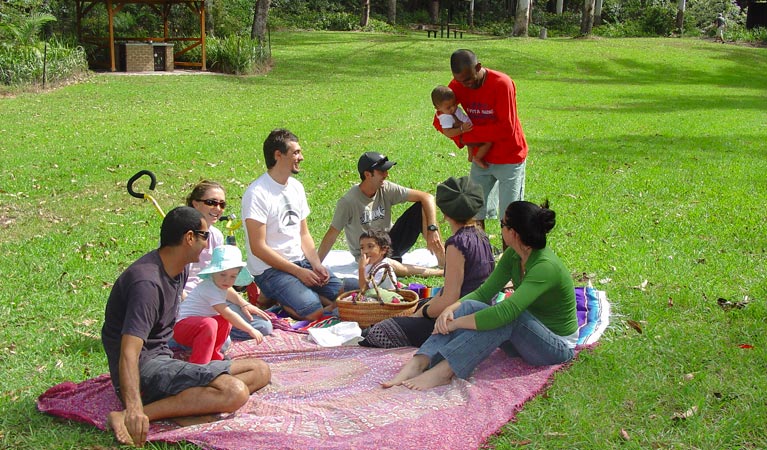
34,32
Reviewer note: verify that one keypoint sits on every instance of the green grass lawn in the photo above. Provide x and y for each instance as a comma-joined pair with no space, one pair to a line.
653,153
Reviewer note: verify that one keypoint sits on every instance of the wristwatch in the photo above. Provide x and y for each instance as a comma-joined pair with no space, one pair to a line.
432,227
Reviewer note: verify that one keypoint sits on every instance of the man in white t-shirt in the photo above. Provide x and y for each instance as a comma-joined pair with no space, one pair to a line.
281,252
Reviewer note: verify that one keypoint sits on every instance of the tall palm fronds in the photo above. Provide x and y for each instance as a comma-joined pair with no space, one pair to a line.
23,29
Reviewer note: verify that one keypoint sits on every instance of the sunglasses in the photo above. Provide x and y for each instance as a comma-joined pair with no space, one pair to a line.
505,224
378,163
211,202
203,234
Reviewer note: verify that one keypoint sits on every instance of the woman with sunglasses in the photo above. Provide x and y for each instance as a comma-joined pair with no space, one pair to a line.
537,322
209,198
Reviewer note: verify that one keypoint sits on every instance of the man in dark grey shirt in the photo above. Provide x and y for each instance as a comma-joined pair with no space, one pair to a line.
138,322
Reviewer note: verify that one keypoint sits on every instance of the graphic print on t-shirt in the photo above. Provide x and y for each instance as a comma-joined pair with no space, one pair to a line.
288,217
480,112
372,215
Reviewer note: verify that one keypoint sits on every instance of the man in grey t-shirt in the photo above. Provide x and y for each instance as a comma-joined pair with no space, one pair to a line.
367,206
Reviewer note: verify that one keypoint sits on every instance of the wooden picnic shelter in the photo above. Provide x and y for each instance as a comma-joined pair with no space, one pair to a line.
163,10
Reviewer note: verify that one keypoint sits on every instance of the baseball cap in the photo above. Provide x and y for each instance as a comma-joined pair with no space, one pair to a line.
373,161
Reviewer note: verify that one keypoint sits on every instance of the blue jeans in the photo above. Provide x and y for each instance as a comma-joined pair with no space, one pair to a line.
465,349
258,322
289,291
511,184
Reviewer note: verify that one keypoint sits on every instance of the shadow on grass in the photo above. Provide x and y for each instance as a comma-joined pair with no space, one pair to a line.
669,148
682,102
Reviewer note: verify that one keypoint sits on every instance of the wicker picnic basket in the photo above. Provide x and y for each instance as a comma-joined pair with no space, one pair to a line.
367,313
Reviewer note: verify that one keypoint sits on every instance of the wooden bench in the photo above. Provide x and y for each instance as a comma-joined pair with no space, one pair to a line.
430,31
454,28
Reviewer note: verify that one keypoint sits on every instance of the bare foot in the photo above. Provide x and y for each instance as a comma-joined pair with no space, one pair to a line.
436,376
196,420
413,368
116,423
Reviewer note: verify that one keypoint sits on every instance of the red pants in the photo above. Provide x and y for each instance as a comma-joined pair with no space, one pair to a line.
206,336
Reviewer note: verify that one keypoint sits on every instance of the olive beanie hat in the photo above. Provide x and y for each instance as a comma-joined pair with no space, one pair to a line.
459,198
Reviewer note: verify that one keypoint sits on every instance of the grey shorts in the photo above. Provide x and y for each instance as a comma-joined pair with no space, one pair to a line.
164,376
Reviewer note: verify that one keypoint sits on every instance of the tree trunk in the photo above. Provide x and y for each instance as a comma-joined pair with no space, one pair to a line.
260,17
391,16
680,6
522,18
587,21
560,4
365,16
434,11
598,12
210,20
471,13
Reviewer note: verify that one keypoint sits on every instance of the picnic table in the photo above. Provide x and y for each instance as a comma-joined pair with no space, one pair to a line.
444,29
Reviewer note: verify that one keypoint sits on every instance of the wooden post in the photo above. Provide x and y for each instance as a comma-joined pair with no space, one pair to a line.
110,12
202,35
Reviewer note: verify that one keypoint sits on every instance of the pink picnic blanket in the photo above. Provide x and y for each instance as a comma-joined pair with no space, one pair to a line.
330,398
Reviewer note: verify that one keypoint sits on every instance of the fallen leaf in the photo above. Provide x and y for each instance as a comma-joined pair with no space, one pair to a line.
688,377
746,346
670,302
59,364
728,305
641,285
87,334
685,415
625,435
635,325
523,442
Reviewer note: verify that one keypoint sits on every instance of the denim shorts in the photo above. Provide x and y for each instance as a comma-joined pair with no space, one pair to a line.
164,376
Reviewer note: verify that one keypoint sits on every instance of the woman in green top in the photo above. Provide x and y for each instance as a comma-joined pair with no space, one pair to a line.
537,322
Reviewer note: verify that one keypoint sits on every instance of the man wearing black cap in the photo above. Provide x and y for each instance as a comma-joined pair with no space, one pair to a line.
367,206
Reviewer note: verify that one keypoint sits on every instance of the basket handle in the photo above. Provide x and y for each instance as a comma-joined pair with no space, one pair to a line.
388,272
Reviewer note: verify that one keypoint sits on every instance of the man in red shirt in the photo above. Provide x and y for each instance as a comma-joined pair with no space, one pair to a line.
489,98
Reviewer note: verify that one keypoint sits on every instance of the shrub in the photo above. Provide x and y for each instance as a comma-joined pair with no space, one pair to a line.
379,26
499,28
238,55
658,20
566,24
339,21
23,64
739,33
630,28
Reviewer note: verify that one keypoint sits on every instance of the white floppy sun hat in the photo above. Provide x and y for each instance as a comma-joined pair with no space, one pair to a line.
227,257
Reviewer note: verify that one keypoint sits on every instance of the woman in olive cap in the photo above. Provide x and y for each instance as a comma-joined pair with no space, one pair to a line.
468,262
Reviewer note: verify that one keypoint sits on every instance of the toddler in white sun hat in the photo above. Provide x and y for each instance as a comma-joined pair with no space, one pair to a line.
204,320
